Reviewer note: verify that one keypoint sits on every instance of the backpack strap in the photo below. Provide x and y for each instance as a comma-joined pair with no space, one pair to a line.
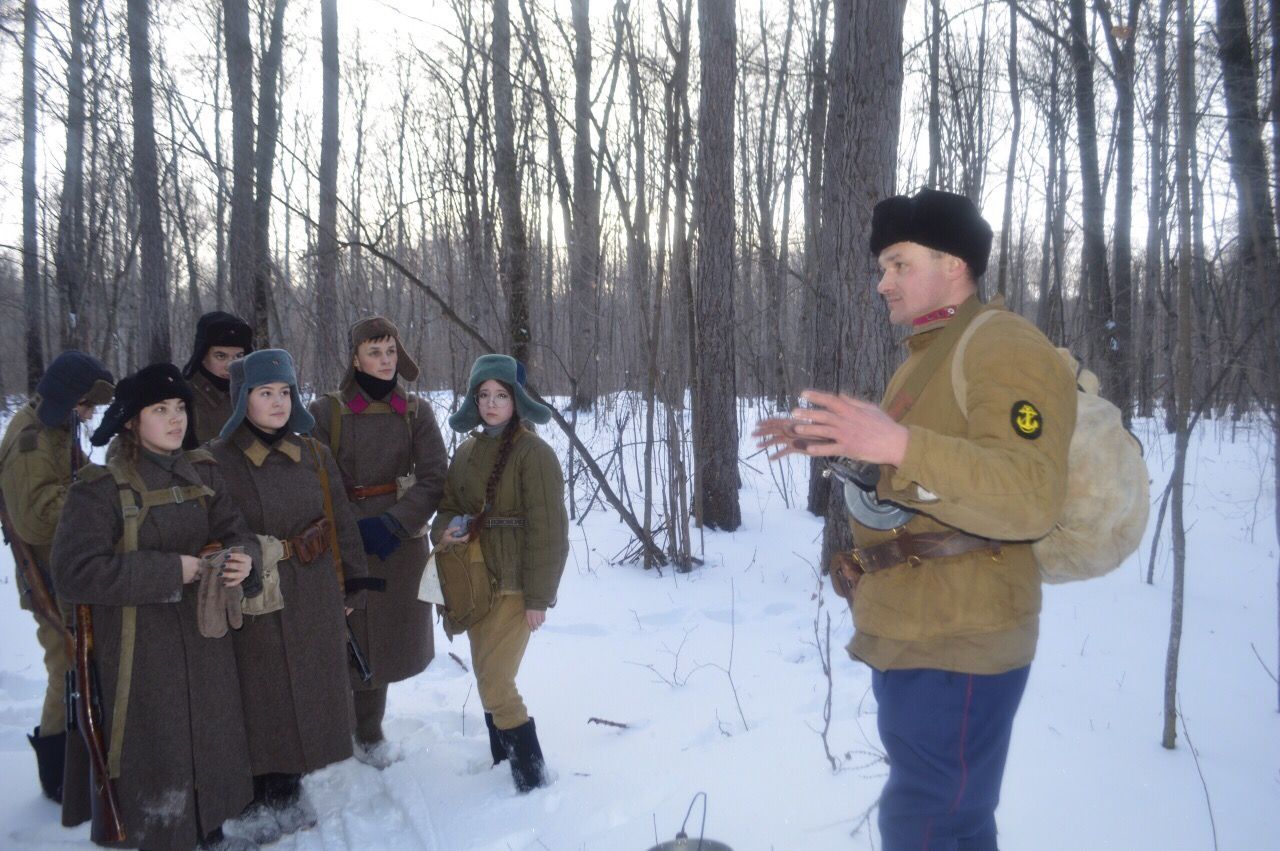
932,359
328,508
135,502
959,384
335,422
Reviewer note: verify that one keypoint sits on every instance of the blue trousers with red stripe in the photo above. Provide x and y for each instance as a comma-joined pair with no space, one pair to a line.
947,736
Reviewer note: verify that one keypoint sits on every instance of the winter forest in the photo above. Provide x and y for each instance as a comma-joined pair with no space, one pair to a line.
662,207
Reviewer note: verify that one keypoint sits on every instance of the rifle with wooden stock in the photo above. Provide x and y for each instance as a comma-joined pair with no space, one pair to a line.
84,709
37,588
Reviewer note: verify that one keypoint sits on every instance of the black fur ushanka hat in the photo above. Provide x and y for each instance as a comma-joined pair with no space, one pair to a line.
942,221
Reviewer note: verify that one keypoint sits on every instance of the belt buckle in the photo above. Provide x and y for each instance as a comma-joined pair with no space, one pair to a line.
287,550
855,556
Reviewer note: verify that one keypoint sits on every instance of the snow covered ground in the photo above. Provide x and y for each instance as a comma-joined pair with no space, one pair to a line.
663,655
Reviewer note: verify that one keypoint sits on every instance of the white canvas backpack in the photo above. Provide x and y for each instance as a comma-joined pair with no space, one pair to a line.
1108,486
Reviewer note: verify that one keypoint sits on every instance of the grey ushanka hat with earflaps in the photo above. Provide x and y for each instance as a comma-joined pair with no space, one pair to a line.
509,371
265,366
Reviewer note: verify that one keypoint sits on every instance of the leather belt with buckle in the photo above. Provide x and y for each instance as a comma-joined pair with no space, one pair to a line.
360,492
917,549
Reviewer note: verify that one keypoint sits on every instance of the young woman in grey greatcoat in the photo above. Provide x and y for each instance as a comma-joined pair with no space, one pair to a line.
174,727
291,651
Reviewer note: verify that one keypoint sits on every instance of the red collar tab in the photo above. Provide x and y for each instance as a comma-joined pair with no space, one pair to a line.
935,316
359,404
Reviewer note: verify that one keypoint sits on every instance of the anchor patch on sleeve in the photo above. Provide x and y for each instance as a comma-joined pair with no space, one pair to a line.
1027,421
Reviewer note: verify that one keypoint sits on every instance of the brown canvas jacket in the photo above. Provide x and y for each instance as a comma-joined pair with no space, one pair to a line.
973,471
526,559
212,407
35,473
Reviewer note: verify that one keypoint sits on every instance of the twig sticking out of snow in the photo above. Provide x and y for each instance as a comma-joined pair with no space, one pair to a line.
1203,783
608,723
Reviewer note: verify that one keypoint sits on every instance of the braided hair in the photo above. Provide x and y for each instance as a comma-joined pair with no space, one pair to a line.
508,440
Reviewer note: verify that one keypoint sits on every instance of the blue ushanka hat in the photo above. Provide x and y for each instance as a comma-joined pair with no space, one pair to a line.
71,377
509,371
266,366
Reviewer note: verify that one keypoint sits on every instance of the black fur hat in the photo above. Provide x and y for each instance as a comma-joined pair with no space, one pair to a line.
943,221
218,329
147,386
72,376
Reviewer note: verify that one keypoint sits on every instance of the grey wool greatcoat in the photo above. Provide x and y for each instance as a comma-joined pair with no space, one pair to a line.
293,663
184,766
212,407
379,441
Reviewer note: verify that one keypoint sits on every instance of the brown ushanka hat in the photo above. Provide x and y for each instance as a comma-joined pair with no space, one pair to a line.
376,328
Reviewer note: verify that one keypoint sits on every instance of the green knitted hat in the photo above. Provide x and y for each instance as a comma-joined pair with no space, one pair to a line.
509,371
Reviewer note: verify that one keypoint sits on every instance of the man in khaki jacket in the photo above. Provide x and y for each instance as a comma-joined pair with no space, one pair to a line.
946,605
36,458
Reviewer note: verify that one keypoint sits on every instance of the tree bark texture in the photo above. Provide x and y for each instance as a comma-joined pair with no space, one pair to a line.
1015,101
265,159
1182,178
506,177
240,234
154,289
853,336
1101,345
30,248
69,257
327,237
715,417
585,260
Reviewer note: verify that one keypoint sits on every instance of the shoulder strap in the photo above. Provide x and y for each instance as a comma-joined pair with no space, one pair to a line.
328,508
959,384
135,501
906,397
335,423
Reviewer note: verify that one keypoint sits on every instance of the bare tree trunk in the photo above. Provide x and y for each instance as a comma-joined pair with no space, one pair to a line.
585,260
1015,100
1121,40
1157,196
715,416
154,301
1182,155
265,156
506,176
240,232
327,237
935,105
30,248
859,166
819,487
1255,211
1096,289
69,257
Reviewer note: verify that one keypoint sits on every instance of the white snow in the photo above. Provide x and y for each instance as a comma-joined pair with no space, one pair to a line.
653,652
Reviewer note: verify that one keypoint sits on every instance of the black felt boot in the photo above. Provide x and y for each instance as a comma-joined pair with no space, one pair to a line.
50,751
496,748
527,766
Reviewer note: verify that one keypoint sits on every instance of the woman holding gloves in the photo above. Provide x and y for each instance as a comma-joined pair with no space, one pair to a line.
129,546
291,650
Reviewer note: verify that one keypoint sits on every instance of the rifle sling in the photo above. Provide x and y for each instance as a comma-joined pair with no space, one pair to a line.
328,508
135,501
